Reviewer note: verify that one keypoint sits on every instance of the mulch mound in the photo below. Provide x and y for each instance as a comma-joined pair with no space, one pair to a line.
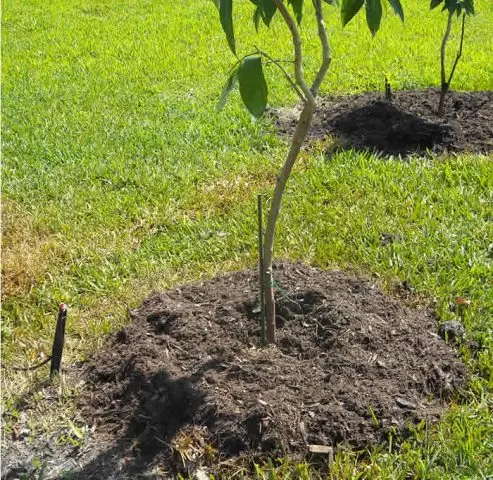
186,382
406,125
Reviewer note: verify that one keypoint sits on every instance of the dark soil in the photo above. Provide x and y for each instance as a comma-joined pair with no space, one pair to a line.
188,376
406,125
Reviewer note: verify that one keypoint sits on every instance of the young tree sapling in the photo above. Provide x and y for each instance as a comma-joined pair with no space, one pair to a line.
458,8
249,76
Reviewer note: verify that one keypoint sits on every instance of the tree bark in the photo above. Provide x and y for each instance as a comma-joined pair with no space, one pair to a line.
297,141
326,52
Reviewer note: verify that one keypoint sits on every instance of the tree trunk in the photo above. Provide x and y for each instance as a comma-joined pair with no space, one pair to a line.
446,84
441,103
299,136
296,143
443,77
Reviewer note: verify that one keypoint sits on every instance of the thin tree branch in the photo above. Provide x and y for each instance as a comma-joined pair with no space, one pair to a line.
459,53
282,179
444,45
326,53
283,61
286,74
298,55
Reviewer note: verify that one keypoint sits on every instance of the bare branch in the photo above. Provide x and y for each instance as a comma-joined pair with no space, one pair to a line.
459,53
298,55
282,179
286,74
444,45
326,53
282,61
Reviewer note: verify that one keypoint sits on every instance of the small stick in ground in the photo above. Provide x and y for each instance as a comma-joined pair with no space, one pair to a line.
59,341
261,268
57,351
388,90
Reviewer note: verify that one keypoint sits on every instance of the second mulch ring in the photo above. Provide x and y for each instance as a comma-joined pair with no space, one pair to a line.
187,384
404,126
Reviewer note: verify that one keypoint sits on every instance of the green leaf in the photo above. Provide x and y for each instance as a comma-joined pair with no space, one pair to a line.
267,9
450,5
397,7
297,9
256,18
226,17
435,3
349,8
334,3
228,87
253,87
468,6
373,15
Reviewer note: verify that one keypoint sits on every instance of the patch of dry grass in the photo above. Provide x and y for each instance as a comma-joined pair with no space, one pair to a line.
27,250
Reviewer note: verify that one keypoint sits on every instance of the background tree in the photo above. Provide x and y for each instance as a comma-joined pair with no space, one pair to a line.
248,75
458,8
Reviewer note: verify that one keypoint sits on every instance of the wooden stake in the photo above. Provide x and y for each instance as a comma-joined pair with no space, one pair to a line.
59,341
261,268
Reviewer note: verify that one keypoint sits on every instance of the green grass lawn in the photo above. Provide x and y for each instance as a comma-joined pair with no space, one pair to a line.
120,177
